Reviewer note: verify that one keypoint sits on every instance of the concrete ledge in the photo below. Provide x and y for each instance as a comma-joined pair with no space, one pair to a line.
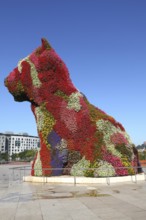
84,180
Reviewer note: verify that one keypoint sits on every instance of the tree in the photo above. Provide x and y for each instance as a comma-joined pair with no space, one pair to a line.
27,155
14,156
5,156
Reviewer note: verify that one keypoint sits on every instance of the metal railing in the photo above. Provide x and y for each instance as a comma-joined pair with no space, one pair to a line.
16,174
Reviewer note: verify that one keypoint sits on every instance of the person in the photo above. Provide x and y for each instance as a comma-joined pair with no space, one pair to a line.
138,164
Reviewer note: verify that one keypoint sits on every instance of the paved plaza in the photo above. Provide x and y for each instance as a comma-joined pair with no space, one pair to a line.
43,201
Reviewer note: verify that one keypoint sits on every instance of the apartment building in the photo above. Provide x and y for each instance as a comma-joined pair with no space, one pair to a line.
3,147
16,143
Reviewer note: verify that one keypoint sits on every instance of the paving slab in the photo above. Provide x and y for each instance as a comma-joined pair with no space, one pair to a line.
43,201
35,201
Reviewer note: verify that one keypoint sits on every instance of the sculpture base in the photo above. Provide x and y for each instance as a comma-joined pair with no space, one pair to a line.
85,180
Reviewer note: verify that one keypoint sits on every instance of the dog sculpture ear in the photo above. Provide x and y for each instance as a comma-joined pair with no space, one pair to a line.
45,44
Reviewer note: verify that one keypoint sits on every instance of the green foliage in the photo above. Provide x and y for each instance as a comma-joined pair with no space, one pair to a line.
26,155
74,156
15,156
142,155
104,169
4,157
122,148
127,164
80,167
90,172
62,94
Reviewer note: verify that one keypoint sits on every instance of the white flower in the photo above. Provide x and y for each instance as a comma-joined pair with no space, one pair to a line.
108,129
33,72
40,118
80,167
62,145
104,169
74,101
38,165
112,149
20,62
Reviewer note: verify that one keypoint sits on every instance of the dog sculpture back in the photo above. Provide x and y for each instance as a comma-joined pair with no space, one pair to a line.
73,133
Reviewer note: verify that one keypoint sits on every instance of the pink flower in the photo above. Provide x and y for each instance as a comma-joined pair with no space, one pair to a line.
118,138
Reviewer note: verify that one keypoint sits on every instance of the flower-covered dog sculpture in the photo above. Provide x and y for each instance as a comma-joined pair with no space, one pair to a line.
73,133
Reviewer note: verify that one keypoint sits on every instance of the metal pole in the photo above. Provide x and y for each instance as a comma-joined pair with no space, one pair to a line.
74,180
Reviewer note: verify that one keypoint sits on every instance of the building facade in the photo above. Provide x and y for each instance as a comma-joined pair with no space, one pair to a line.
3,147
16,143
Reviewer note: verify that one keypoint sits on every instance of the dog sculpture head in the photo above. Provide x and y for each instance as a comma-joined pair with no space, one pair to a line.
42,72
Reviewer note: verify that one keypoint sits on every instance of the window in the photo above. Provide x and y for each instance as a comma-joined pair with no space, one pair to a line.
17,143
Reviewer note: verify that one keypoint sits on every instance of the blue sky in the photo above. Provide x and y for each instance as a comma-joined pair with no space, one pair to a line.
103,43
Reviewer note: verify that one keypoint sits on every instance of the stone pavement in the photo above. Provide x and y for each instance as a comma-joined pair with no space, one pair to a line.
44,201
29,201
